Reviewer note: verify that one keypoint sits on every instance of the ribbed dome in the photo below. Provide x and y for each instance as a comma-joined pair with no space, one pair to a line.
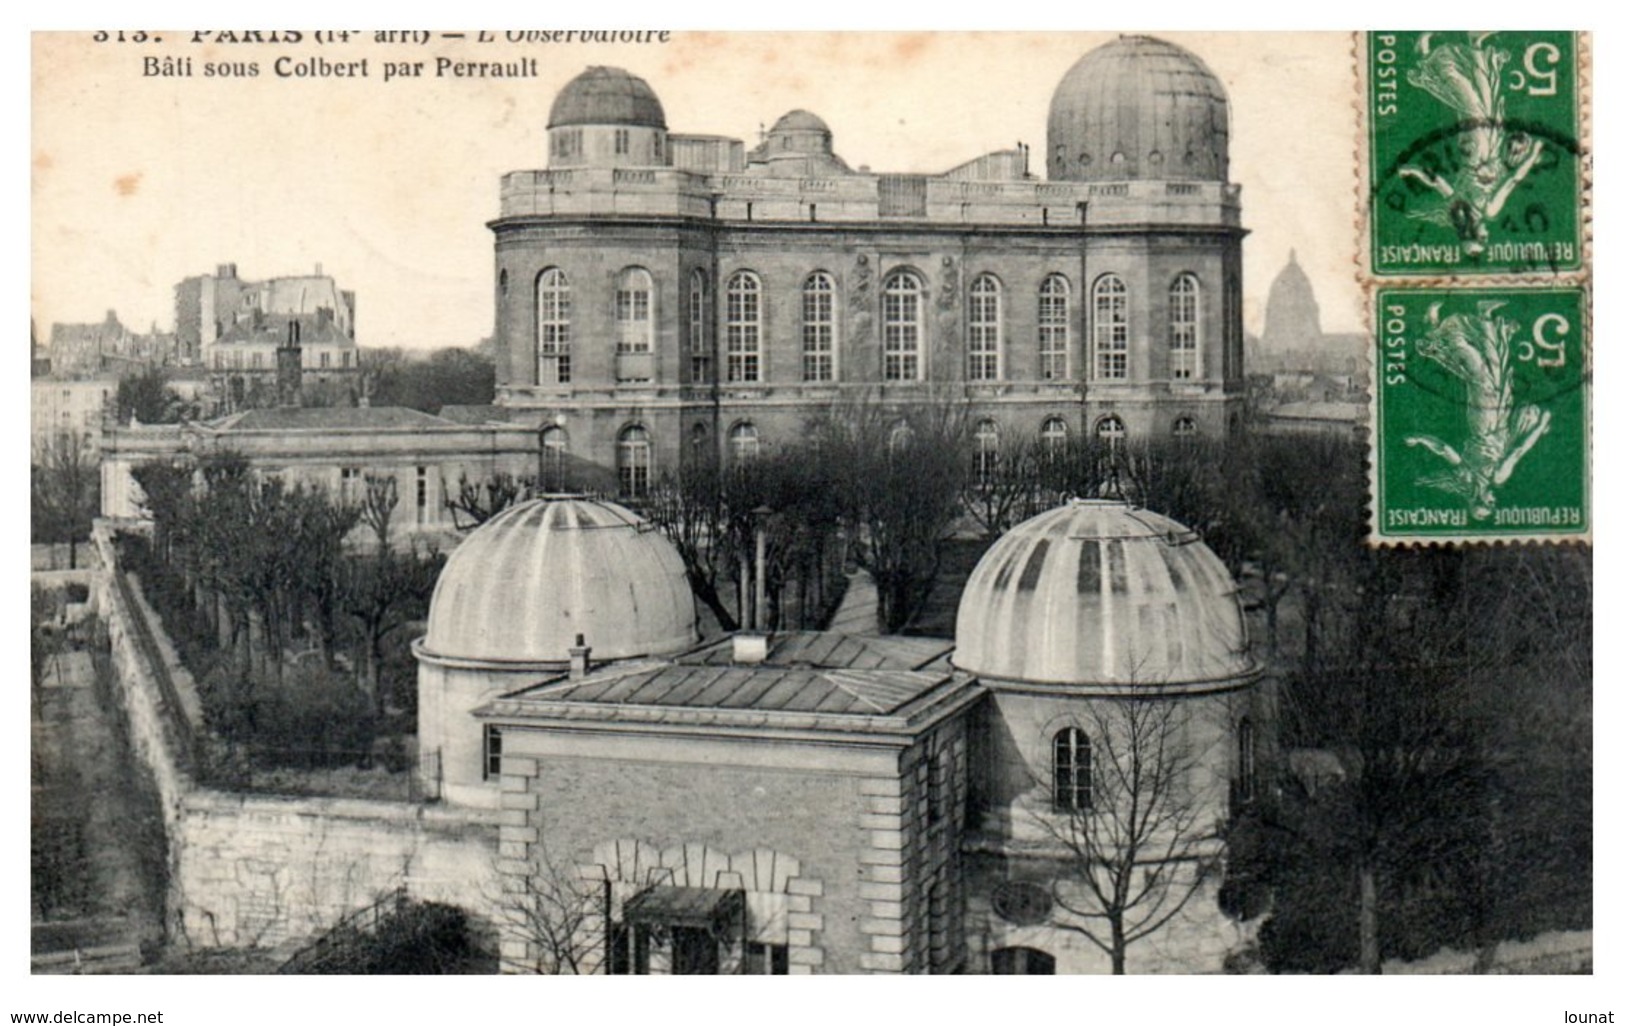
1102,593
607,96
522,586
1139,108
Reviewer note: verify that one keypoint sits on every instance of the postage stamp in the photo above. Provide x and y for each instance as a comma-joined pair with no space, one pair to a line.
1480,429
1475,159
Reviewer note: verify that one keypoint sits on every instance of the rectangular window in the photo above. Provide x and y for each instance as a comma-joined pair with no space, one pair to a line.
817,335
350,485
493,753
767,959
1052,336
623,141
326,360
423,496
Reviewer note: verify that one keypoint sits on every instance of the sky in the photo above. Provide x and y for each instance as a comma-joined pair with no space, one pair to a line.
141,180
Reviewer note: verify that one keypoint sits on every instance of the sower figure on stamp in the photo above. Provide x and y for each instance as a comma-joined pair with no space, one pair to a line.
1478,349
1466,77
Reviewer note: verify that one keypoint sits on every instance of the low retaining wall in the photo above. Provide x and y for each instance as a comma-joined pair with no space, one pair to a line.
259,870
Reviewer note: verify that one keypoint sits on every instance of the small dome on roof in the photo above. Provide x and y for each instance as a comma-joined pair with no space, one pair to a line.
520,588
800,121
1139,108
1102,593
607,96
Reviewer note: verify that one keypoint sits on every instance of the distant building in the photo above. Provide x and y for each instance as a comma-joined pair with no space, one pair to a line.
106,347
336,449
233,328
1293,341
70,410
663,298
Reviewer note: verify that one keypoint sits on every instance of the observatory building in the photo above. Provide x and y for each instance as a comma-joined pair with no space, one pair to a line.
664,297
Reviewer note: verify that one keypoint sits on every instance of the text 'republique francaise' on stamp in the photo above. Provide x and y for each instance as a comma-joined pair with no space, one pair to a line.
1474,158
1481,415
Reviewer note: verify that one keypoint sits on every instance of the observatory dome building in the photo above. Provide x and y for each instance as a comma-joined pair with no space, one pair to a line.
664,298
824,802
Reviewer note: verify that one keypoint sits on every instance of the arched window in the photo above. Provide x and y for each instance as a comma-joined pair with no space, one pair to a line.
744,327
1052,436
1246,761
1185,428
1110,430
818,328
552,328
984,341
902,304
1111,328
744,444
634,311
1184,310
699,328
1054,327
632,460
1073,770
555,450
985,460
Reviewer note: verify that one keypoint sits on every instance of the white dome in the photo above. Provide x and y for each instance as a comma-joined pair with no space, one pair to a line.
520,588
1101,593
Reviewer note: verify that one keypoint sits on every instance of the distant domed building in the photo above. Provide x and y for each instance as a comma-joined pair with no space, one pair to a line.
665,298
816,802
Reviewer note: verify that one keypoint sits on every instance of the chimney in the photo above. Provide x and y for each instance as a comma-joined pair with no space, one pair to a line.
290,369
750,648
580,658
318,269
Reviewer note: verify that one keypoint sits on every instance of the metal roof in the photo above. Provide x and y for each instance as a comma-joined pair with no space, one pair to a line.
760,688
1139,108
831,650
607,96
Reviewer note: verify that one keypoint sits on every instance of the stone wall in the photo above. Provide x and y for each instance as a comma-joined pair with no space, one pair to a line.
262,870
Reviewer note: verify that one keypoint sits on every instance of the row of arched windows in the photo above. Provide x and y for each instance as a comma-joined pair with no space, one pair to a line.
903,326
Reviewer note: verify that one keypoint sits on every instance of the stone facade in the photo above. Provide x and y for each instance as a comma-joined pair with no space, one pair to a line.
639,292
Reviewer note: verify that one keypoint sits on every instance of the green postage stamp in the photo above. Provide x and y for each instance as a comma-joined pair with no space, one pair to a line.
1481,428
1475,163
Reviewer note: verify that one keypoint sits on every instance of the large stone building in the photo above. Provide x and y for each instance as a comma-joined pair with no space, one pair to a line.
664,296
824,802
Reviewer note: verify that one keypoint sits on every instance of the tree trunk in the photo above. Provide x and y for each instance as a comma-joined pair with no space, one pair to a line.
1370,950
1119,948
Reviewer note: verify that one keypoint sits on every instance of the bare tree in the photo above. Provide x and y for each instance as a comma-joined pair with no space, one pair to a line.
896,480
1139,832
559,916
66,480
475,502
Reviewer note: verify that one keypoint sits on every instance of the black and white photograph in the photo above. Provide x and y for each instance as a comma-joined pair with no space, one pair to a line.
655,503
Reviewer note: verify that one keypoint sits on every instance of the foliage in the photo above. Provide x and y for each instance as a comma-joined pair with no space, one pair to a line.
66,483
449,376
146,398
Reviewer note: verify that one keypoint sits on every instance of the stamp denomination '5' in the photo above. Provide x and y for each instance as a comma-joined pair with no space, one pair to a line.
1481,426
1475,161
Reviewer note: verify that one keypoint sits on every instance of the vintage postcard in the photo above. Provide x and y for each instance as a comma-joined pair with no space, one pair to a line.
671,503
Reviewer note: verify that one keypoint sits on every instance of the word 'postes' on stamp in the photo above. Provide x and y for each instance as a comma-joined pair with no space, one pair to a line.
1474,155
1482,417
